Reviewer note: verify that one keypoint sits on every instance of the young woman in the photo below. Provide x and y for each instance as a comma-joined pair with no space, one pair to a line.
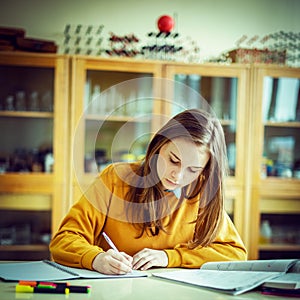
165,211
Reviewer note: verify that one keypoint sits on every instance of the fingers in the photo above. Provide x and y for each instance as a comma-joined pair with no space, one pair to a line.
142,261
112,262
128,257
120,262
147,258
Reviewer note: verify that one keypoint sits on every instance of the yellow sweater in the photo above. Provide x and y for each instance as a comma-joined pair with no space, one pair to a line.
79,238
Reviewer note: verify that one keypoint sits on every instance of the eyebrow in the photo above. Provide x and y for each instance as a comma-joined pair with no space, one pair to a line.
195,167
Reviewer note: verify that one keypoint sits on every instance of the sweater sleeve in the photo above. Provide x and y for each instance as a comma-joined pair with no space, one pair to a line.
226,246
74,243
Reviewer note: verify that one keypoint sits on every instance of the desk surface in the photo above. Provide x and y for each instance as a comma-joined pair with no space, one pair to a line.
133,288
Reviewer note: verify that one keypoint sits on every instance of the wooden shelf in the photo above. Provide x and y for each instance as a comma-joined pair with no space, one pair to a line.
279,247
279,206
25,202
284,188
283,124
26,114
94,117
227,122
40,183
32,247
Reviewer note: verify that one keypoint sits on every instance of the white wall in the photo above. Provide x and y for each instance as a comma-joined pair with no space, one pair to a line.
215,24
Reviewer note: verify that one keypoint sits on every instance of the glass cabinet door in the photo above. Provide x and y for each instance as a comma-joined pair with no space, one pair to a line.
221,90
115,110
281,118
33,147
276,161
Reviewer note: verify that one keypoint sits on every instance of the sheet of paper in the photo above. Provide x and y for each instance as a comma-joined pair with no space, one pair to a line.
50,271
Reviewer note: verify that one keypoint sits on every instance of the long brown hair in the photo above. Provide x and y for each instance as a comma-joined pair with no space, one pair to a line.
205,130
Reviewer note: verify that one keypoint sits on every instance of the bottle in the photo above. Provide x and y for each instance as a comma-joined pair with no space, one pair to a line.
20,101
265,232
34,104
49,161
95,105
9,103
46,102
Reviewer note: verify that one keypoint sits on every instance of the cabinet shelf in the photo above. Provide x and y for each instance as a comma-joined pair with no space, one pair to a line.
26,114
227,122
284,188
26,183
25,202
279,247
29,248
280,206
282,124
95,117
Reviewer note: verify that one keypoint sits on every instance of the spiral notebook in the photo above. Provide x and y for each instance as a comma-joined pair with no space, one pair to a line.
46,270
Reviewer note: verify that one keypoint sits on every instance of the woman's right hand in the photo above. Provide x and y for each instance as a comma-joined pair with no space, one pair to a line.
113,263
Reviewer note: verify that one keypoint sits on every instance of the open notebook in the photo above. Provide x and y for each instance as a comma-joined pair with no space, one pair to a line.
234,277
46,270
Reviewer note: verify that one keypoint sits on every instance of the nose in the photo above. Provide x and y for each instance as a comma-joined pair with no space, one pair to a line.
177,175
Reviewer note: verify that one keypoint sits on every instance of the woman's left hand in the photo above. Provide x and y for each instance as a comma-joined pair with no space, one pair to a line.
147,258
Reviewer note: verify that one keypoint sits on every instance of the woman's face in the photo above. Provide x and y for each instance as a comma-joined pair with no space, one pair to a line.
180,162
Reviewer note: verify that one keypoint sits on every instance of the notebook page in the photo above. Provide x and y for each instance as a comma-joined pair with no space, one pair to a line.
233,282
85,273
34,270
273,265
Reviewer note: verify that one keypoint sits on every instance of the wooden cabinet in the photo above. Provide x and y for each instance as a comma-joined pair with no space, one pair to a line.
107,110
33,151
275,156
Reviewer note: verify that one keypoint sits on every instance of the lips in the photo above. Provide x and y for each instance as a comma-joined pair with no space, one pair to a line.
171,183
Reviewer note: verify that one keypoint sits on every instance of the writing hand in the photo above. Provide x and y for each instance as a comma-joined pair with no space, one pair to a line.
113,263
147,258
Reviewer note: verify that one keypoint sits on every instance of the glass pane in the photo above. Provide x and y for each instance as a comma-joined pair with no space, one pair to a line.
282,151
216,93
25,144
118,110
281,99
26,102
281,114
26,88
114,141
110,92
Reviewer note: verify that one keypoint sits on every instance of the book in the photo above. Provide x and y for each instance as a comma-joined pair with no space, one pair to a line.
46,270
287,284
231,277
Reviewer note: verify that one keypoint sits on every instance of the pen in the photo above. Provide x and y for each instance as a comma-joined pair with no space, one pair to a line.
109,241
42,290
